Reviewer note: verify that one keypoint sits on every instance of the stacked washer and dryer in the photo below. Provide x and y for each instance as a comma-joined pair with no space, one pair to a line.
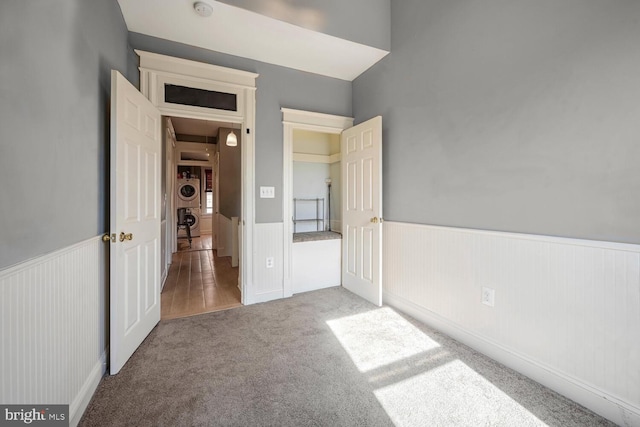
189,197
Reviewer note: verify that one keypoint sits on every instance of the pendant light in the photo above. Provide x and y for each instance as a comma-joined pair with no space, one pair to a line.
232,140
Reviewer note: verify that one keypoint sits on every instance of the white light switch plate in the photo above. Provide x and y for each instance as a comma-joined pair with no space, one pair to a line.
267,192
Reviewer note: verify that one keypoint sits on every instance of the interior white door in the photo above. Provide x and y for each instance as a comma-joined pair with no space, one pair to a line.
362,209
135,220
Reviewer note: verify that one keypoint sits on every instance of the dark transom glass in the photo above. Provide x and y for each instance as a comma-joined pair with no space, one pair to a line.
200,98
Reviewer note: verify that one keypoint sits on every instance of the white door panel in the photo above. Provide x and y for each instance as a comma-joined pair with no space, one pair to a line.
362,210
135,214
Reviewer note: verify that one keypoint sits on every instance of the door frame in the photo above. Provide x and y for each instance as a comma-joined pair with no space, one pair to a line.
156,70
299,120
170,201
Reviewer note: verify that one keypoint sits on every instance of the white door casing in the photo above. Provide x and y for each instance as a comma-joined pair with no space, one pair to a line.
135,215
170,194
362,210
300,120
158,70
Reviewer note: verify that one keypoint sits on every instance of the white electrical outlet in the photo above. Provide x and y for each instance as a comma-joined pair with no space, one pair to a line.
270,262
488,296
267,192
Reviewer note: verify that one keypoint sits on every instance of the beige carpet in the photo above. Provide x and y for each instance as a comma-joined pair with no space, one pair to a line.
324,358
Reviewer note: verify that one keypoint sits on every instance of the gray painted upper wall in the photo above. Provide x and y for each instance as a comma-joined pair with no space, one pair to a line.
518,116
230,171
276,87
362,21
55,67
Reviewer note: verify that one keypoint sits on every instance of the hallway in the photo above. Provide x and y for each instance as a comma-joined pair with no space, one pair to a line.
199,282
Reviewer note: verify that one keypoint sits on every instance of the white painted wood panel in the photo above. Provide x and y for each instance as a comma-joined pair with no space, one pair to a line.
224,236
361,178
316,265
567,311
134,211
268,283
206,224
52,314
235,232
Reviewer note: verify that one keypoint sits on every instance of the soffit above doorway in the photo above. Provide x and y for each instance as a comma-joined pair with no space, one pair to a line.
198,127
247,34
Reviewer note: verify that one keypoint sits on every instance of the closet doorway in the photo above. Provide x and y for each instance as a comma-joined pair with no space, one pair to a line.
312,194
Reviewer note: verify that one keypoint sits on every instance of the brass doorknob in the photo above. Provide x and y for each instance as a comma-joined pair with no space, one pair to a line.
123,236
374,220
106,238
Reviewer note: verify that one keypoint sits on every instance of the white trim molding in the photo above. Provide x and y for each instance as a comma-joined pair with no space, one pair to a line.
321,122
566,312
317,158
169,65
268,281
156,70
300,120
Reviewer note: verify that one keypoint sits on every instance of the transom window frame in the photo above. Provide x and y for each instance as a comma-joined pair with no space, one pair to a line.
163,80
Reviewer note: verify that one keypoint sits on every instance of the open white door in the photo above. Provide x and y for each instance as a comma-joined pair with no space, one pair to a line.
135,220
362,210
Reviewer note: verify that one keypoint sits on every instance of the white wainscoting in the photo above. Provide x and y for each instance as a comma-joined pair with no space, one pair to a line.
567,311
267,283
206,223
235,243
225,236
52,326
316,265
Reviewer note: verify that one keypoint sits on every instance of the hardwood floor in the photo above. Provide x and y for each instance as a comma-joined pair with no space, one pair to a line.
197,243
199,281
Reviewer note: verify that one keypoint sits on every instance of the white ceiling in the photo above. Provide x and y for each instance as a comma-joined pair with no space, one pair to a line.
239,32
197,127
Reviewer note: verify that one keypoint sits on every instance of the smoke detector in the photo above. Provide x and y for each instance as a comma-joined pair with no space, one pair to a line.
203,9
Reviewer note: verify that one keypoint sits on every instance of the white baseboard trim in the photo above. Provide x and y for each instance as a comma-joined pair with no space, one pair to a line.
81,402
600,402
267,296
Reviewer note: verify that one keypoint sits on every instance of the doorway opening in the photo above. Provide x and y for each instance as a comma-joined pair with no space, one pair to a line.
203,204
316,215
312,199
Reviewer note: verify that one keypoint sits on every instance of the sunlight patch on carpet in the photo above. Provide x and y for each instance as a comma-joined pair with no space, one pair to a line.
379,337
451,394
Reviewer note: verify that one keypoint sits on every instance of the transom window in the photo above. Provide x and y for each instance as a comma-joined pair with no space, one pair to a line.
183,95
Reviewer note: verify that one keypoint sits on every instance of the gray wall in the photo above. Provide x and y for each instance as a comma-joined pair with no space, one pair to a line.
230,170
361,21
276,87
54,97
511,115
